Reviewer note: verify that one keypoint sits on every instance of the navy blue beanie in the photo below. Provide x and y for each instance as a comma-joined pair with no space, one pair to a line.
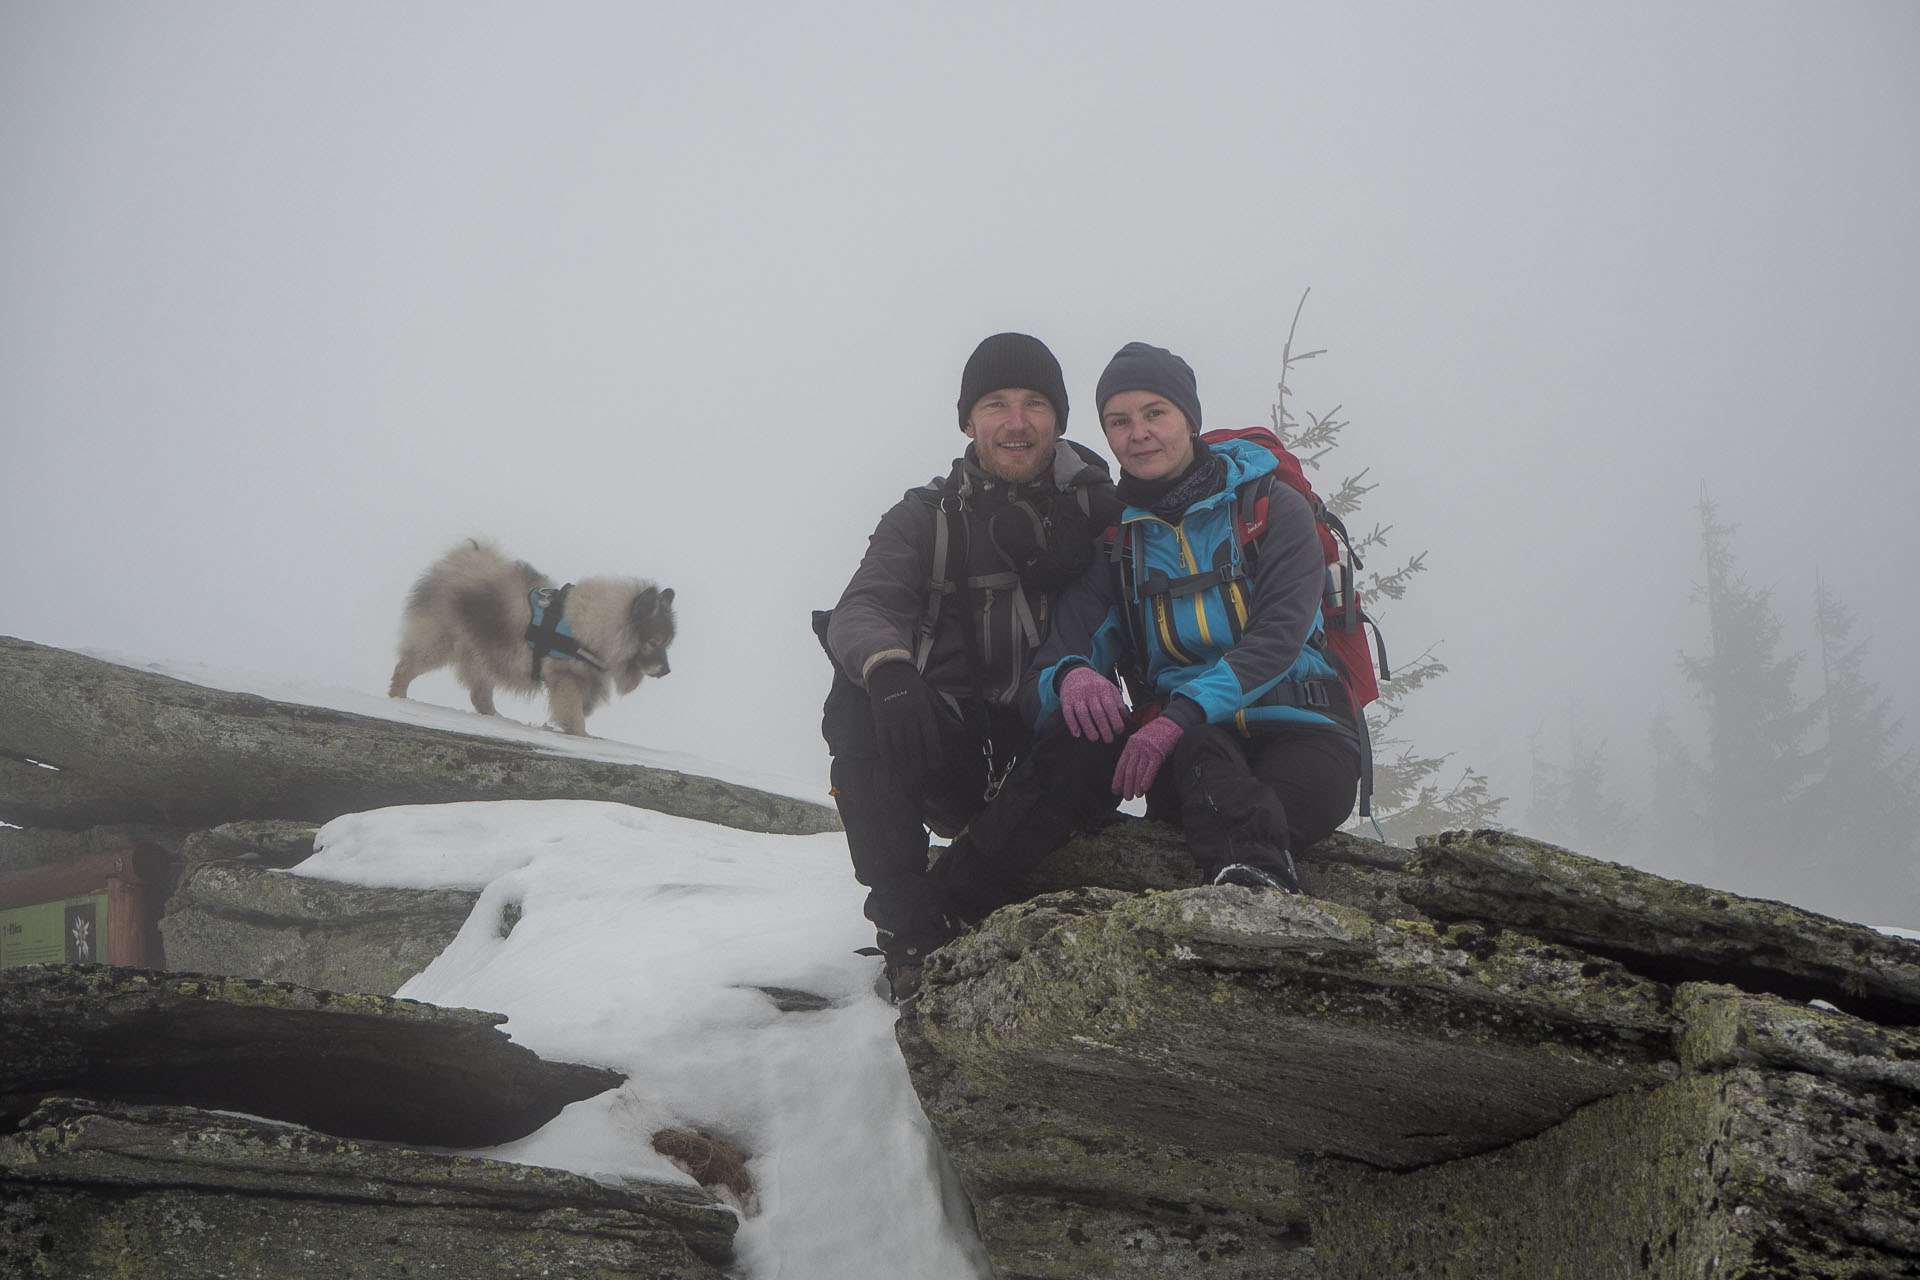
1013,360
1141,367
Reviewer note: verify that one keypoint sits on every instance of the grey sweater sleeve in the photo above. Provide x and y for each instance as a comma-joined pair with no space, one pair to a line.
878,614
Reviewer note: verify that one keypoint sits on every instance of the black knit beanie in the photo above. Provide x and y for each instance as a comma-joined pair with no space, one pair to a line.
1140,367
1013,360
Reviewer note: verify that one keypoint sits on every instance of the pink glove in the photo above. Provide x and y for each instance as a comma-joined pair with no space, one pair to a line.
1091,705
1143,755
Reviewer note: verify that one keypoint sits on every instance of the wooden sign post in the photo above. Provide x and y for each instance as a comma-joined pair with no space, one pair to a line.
87,910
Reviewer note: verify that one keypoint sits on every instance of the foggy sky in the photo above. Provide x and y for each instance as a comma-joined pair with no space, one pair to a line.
294,296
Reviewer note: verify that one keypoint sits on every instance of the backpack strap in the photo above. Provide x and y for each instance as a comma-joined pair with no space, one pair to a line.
1159,584
952,538
1308,695
1022,611
1366,762
1118,541
947,512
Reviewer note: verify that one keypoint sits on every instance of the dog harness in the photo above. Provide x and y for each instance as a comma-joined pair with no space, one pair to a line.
550,633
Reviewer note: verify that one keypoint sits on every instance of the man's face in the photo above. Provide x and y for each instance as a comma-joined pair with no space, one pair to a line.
1147,434
1013,433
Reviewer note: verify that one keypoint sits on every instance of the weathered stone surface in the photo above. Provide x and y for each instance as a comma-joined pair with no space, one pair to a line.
1129,855
257,922
145,1192
358,1066
1061,1195
266,842
1222,1019
24,847
1728,1173
1136,856
1668,929
1724,1027
85,742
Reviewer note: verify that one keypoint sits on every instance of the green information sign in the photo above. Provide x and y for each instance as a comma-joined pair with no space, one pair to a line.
70,932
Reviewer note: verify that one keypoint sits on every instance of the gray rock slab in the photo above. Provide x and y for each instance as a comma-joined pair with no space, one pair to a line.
1062,1195
1668,929
25,847
110,1191
1218,1019
1725,1028
1741,1173
85,743
353,1065
1136,855
268,842
252,921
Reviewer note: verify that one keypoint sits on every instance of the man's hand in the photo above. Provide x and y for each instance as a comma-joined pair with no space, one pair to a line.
906,723
1141,758
1091,705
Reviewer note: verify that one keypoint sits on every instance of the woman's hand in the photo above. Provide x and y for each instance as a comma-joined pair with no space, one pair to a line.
1141,758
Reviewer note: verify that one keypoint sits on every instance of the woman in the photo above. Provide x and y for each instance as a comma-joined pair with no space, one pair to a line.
1246,736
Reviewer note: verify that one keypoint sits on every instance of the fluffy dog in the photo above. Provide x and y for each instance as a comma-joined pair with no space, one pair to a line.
473,610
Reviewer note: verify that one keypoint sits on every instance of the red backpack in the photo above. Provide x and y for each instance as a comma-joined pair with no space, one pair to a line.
1346,621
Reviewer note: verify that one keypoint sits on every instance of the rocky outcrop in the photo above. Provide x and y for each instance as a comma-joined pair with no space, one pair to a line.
124,1158
251,921
85,743
1487,1058
174,1193
359,1066
1483,1058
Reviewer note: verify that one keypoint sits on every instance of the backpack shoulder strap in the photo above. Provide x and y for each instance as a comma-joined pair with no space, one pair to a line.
942,574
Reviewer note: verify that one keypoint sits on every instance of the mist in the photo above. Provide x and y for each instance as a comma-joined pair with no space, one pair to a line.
293,297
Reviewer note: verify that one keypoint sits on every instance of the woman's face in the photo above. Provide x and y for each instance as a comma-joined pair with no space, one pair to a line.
1147,434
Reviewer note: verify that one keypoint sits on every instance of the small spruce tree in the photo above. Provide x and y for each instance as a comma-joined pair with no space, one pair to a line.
1415,791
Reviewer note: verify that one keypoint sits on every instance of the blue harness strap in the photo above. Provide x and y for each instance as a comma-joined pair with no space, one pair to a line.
550,633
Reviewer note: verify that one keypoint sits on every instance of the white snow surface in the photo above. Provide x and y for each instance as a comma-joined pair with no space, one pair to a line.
630,939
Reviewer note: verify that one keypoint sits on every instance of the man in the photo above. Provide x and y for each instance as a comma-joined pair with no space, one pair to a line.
931,643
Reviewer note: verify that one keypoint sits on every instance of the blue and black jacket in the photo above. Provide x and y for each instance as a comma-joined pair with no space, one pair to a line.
1211,637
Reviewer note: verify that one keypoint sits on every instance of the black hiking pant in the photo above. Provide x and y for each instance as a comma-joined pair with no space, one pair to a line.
1254,799
1057,785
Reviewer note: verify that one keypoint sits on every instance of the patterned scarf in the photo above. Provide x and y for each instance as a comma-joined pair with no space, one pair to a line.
1170,498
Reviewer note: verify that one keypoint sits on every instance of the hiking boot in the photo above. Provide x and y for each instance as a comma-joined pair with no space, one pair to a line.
1247,877
906,960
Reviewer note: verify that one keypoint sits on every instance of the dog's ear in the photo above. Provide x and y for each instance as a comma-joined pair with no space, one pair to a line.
665,602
